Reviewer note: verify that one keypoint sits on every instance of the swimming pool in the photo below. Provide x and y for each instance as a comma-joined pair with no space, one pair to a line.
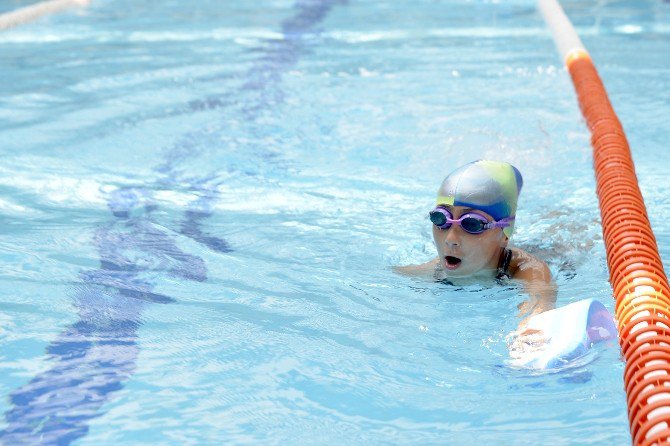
202,205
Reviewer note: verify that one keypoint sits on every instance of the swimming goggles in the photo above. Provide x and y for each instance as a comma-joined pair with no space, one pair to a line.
471,222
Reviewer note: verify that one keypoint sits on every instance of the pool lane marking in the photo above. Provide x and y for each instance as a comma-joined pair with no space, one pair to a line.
96,355
279,56
33,12
641,289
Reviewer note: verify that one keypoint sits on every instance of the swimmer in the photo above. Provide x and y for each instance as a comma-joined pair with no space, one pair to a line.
472,223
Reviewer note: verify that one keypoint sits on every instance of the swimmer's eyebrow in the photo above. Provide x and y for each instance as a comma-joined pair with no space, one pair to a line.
465,210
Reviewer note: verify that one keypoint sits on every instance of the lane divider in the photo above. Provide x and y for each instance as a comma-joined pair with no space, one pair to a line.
33,12
641,290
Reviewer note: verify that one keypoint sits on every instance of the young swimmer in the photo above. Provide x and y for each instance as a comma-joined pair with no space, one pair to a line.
472,224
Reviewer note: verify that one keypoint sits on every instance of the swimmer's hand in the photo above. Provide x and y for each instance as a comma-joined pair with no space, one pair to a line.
525,341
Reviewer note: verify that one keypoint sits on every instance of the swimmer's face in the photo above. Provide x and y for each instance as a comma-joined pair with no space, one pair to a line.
463,254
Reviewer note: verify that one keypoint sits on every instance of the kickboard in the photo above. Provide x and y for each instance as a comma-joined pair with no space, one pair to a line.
571,331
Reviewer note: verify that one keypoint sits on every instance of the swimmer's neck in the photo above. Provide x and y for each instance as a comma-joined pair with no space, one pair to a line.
484,275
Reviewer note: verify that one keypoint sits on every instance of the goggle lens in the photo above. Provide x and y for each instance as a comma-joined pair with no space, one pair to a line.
473,225
439,219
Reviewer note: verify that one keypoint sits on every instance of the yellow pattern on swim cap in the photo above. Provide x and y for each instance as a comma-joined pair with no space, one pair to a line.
445,200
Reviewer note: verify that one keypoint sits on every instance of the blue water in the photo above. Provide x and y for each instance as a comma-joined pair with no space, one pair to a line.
201,203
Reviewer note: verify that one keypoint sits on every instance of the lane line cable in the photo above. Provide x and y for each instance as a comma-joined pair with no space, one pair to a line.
640,285
33,12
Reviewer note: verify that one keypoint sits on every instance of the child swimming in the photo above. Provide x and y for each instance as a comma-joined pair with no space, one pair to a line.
472,223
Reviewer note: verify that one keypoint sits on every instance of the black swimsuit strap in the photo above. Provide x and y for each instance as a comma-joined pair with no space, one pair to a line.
503,265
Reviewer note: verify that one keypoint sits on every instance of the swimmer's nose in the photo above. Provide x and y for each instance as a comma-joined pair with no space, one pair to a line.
452,238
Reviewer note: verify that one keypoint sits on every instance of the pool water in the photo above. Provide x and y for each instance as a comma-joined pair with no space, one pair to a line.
202,203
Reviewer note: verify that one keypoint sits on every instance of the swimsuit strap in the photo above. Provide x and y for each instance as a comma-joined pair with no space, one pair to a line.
503,265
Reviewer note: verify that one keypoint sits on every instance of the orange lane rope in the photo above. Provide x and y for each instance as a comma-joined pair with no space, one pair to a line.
640,285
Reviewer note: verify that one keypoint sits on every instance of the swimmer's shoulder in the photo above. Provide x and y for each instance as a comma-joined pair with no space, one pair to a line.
525,265
423,270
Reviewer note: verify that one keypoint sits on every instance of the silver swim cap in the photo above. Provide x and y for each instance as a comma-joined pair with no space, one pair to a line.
490,186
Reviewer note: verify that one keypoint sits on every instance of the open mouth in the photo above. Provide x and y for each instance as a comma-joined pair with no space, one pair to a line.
451,262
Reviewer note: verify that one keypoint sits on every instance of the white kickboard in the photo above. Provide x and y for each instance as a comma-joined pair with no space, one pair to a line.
571,331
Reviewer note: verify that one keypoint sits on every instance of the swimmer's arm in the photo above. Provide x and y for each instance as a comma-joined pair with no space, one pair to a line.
541,290
423,270
538,285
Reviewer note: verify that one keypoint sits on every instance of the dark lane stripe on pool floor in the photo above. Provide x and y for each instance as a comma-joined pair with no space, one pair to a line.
95,356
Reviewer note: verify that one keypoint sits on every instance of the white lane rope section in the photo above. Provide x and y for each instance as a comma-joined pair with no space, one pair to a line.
565,36
33,12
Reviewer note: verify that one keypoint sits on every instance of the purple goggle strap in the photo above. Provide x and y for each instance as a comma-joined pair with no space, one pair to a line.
502,223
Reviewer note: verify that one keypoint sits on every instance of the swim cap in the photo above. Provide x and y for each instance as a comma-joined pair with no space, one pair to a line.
490,186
